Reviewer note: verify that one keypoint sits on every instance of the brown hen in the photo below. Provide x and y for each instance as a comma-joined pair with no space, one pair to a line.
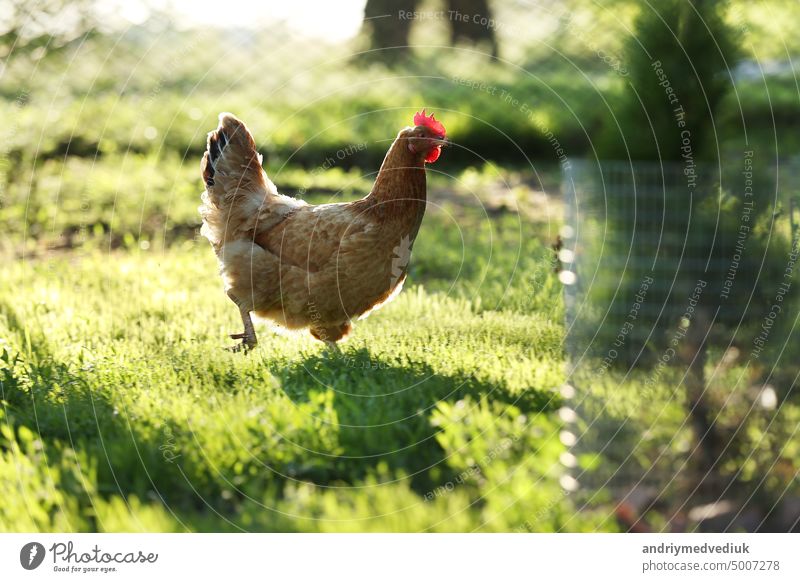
305,266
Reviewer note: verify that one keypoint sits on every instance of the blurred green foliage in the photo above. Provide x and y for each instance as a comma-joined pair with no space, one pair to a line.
120,412
111,120
681,61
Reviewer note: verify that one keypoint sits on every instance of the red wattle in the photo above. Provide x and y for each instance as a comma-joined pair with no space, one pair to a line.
433,154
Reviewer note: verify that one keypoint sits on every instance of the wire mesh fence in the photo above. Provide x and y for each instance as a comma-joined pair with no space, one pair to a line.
672,271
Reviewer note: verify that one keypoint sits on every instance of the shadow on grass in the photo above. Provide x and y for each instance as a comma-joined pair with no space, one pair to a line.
58,403
383,415
384,411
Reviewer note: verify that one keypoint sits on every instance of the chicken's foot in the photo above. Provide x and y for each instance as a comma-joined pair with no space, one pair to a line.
248,336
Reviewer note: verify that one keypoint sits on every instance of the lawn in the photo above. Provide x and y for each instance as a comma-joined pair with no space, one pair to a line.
122,411
121,408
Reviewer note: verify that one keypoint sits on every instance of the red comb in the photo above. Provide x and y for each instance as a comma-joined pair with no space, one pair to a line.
431,122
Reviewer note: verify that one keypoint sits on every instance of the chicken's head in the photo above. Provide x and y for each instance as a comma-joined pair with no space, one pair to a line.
427,137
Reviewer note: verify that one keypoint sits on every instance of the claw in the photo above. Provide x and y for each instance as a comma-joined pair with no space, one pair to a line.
248,336
248,343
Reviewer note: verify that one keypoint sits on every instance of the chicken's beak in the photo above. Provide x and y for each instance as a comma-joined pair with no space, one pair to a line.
444,142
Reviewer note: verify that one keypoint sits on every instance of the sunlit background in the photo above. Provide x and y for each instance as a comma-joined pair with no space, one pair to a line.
334,21
464,405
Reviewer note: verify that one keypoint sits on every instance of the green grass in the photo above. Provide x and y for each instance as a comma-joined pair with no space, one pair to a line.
122,411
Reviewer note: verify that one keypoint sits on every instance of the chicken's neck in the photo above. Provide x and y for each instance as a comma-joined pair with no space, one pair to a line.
399,190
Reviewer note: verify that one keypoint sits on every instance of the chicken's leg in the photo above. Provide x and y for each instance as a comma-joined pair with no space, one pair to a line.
248,337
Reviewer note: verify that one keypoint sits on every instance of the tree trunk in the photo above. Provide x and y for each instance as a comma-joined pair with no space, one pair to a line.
388,25
471,21
388,28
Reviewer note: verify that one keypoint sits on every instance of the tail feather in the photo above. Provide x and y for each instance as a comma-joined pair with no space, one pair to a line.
235,182
231,163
